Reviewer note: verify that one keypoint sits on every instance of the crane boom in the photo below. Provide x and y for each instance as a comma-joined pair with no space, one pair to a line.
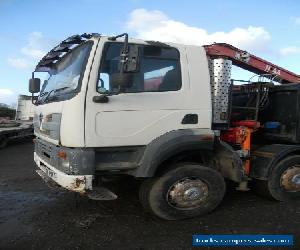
247,61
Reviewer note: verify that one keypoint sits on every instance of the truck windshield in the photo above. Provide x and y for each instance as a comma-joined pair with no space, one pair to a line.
63,82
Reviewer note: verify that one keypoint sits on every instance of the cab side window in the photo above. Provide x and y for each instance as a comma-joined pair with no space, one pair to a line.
159,69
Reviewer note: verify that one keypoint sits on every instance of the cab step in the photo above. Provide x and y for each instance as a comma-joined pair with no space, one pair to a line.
101,193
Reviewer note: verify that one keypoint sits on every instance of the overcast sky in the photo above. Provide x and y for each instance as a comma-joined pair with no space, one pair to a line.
28,29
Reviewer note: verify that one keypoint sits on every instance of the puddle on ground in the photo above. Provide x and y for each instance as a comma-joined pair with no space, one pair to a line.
24,197
14,202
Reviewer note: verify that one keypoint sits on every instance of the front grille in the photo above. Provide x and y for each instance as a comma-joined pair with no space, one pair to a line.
45,148
48,153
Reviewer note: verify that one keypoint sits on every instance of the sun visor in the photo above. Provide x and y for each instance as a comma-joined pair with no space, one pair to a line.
49,61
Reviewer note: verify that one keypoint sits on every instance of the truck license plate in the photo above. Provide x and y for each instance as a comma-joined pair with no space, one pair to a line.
50,173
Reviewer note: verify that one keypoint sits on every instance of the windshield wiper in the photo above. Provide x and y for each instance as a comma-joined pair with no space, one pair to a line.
43,94
47,94
39,101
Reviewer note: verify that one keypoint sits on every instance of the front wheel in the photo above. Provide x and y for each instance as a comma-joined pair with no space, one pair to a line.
187,190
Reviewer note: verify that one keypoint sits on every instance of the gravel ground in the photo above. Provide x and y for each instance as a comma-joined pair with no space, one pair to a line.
32,216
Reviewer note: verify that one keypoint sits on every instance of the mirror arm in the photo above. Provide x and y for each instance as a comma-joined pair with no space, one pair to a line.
124,52
32,94
32,100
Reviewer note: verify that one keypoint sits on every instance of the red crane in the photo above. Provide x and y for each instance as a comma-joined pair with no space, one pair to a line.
247,61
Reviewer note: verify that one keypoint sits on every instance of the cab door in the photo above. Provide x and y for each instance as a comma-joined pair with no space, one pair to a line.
155,102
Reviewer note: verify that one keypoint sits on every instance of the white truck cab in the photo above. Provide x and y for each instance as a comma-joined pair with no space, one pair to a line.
118,106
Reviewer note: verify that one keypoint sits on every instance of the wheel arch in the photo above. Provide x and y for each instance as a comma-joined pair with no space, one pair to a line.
183,145
264,159
199,156
173,146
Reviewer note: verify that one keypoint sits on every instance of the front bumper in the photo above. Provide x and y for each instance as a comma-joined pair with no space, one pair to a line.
77,183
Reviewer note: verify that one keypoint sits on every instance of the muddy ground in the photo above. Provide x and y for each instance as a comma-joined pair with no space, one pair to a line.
32,216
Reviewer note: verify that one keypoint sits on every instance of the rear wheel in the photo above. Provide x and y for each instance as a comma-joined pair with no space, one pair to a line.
186,190
283,183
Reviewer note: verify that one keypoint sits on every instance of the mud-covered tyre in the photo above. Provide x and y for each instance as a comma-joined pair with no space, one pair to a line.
186,190
281,184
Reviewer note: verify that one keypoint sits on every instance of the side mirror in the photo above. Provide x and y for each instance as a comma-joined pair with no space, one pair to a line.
34,85
122,80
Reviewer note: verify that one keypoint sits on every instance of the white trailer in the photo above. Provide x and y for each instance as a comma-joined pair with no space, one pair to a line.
12,130
22,126
25,108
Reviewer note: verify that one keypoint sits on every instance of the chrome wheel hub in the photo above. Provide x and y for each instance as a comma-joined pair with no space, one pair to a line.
290,179
187,193
296,179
